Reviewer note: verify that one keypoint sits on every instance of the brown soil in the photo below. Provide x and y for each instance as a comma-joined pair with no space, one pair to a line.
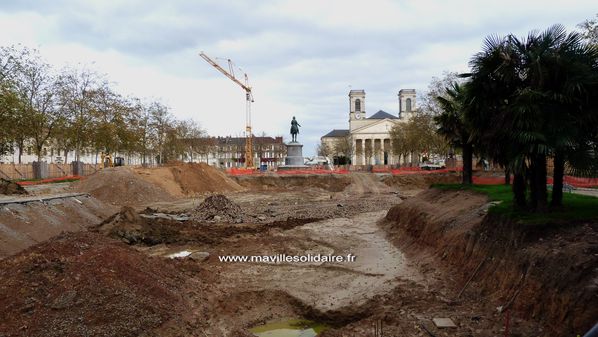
24,225
438,240
217,207
189,179
542,273
274,182
418,181
121,186
84,284
9,187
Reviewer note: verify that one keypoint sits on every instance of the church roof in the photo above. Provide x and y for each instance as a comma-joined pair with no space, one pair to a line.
382,115
337,133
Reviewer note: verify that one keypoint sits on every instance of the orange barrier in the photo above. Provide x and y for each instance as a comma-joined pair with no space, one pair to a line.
578,181
569,180
240,171
46,181
418,170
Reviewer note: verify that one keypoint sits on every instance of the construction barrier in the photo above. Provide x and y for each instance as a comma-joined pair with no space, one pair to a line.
26,171
47,181
419,170
577,182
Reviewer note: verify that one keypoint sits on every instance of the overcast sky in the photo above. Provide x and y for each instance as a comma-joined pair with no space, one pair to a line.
302,57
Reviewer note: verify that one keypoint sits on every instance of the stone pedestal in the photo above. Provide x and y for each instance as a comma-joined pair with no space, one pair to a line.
294,158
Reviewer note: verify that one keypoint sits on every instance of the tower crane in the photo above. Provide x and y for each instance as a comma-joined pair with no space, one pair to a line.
248,98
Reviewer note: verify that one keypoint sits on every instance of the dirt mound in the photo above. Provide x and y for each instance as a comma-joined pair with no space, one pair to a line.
24,225
189,179
9,187
84,284
202,178
510,264
220,208
328,182
121,186
418,181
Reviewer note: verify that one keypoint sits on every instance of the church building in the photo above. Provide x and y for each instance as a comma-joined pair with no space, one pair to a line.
370,136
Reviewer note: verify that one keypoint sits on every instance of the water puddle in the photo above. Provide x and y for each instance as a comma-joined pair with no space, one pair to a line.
289,328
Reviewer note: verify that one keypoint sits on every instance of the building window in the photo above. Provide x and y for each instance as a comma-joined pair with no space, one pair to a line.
358,105
408,103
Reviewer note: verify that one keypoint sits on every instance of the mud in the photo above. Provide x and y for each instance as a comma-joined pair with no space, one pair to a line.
274,182
26,224
513,266
410,265
8,187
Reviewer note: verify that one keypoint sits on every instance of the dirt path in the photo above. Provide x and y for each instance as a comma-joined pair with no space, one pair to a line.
330,286
362,183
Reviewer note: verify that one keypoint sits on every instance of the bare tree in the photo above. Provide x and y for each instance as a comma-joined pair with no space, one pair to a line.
35,87
77,91
160,122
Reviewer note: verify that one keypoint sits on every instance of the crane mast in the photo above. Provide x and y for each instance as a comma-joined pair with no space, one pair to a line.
248,100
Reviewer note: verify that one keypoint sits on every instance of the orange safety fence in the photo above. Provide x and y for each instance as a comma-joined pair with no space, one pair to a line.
47,181
419,170
569,180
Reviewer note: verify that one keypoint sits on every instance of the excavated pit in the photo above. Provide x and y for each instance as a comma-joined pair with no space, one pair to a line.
411,263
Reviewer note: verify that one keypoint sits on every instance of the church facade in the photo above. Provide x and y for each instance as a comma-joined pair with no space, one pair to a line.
369,136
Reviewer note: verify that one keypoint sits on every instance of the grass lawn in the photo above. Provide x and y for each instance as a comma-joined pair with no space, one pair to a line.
576,207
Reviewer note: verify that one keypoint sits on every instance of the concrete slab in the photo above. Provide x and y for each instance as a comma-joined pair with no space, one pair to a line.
443,323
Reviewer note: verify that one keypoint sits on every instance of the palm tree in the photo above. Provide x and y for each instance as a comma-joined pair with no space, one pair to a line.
452,125
534,98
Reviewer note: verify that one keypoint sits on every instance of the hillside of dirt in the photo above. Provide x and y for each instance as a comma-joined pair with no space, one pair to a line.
8,187
416,181
25,224
512,266
83,284
273,182
121,186
189,179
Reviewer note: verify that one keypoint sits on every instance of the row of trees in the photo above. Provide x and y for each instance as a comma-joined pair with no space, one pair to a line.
76,109
525,102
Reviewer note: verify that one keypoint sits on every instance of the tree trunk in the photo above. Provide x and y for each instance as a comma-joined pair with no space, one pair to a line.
538,184
467,164
519,190
557,185
21,146
507,176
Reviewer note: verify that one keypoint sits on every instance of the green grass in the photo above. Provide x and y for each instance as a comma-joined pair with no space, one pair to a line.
575,208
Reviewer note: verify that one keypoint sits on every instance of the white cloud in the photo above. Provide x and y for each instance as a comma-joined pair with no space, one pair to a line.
301,56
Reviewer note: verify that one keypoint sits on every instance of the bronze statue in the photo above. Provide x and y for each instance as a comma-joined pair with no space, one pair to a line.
294,129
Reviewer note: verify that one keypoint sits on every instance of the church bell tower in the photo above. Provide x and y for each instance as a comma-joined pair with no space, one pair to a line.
356,105
406,103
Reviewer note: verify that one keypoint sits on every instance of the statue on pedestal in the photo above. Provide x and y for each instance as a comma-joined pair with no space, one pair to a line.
294,129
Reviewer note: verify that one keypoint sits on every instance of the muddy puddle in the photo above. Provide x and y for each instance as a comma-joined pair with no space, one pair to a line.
289,328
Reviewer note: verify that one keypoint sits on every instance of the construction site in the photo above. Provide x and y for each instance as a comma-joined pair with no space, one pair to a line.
468,211
138,252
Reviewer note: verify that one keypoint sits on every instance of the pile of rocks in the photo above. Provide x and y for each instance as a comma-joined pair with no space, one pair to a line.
218,208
